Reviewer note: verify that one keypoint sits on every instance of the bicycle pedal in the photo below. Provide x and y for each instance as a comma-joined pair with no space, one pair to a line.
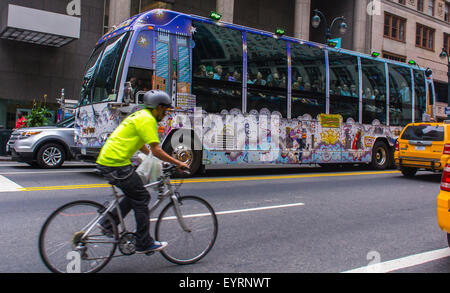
150,253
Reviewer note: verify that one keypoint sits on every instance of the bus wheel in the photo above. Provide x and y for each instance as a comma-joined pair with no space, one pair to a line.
380,156
185,154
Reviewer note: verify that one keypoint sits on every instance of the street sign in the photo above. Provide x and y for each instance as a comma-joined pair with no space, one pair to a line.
337,41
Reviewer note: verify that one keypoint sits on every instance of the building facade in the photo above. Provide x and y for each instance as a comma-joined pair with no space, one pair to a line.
38,64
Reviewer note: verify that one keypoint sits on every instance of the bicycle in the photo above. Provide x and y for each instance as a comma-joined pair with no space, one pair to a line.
71,239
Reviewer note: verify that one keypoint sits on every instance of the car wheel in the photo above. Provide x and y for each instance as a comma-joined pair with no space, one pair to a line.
409,172
50,156
380,156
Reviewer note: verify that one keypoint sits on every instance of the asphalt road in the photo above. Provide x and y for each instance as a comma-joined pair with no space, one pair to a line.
314,220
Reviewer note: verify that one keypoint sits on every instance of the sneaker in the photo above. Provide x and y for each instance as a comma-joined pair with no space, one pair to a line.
155,246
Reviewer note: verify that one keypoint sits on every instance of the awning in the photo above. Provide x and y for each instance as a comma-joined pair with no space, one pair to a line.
39,27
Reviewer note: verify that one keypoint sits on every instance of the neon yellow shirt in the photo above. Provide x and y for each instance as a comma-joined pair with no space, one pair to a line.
132,134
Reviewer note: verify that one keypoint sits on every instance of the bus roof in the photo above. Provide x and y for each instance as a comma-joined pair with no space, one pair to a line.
179,23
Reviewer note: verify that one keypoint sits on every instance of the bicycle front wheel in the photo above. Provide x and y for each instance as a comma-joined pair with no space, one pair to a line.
187,246
71,241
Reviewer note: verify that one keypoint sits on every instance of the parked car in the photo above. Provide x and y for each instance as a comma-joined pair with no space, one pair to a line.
422,146
46,146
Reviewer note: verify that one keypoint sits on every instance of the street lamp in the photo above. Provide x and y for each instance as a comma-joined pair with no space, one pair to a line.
444,54
318,16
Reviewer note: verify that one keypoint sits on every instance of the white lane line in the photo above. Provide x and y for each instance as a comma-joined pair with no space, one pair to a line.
7,185
404,262
238,211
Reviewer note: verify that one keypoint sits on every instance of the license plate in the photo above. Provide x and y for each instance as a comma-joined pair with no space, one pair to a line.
420,148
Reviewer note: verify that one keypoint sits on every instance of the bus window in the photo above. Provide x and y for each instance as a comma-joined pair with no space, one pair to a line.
217,67
308,80
400,101
267,74
344,85
105,84
374,91
420,103
141,82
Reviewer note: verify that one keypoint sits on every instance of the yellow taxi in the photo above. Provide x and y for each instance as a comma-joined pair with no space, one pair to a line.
422,146
443,202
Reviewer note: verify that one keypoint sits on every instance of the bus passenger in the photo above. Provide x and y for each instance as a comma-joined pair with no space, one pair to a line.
345,91
353,91
218,72
259,80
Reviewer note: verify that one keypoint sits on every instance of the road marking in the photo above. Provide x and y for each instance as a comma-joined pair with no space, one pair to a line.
284,177
211,180
47,172
7,185
237,211
404,262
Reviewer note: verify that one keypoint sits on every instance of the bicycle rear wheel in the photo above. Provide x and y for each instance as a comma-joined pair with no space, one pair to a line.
64,245
187,247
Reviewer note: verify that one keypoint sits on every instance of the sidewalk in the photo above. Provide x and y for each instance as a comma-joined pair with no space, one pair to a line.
5,158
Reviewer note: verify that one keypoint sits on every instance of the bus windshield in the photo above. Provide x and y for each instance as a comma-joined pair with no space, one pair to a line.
100,78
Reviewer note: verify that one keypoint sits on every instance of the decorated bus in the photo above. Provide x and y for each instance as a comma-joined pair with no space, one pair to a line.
246,96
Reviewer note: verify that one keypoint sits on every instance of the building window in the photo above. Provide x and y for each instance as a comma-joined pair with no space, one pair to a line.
394,27
446,15
395,57
447,42
431,7
401,2
138,6
106,17
420,5
425,37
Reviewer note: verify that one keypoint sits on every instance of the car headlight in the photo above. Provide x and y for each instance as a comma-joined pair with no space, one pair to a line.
27,134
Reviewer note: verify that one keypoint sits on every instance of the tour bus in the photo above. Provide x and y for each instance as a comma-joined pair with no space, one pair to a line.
246,96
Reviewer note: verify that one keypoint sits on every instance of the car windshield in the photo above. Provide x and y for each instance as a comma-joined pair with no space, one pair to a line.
66,123
424,132
99,80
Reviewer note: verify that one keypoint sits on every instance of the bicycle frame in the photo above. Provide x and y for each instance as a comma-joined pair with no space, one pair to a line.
162,195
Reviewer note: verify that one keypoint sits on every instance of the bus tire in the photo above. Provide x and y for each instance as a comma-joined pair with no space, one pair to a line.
380,156
186,154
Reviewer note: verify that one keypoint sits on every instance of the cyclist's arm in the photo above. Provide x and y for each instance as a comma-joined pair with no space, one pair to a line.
158,152
145,150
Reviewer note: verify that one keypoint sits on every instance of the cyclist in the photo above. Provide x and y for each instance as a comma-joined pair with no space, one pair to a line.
137,130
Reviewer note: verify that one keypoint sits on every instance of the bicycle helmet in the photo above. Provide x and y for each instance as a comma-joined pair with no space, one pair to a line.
154,98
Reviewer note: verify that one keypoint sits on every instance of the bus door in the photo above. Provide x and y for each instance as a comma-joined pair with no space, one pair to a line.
173,64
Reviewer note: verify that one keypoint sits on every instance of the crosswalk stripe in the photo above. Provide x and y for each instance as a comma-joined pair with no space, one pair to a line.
7,185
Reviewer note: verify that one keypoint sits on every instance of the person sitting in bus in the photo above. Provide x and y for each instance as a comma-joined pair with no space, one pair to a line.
274,80
345,91
307,87
210,75
368,94
201,71
235,77
218,72
353,91
259,79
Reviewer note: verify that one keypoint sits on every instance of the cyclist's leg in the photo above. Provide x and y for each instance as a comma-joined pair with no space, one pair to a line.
137,198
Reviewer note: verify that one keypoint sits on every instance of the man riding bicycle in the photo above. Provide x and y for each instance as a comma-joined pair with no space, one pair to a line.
133,134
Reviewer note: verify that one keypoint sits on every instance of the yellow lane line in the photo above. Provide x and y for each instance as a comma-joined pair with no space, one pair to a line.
209,180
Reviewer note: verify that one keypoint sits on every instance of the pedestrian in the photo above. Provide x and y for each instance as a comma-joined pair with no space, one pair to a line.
21,121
